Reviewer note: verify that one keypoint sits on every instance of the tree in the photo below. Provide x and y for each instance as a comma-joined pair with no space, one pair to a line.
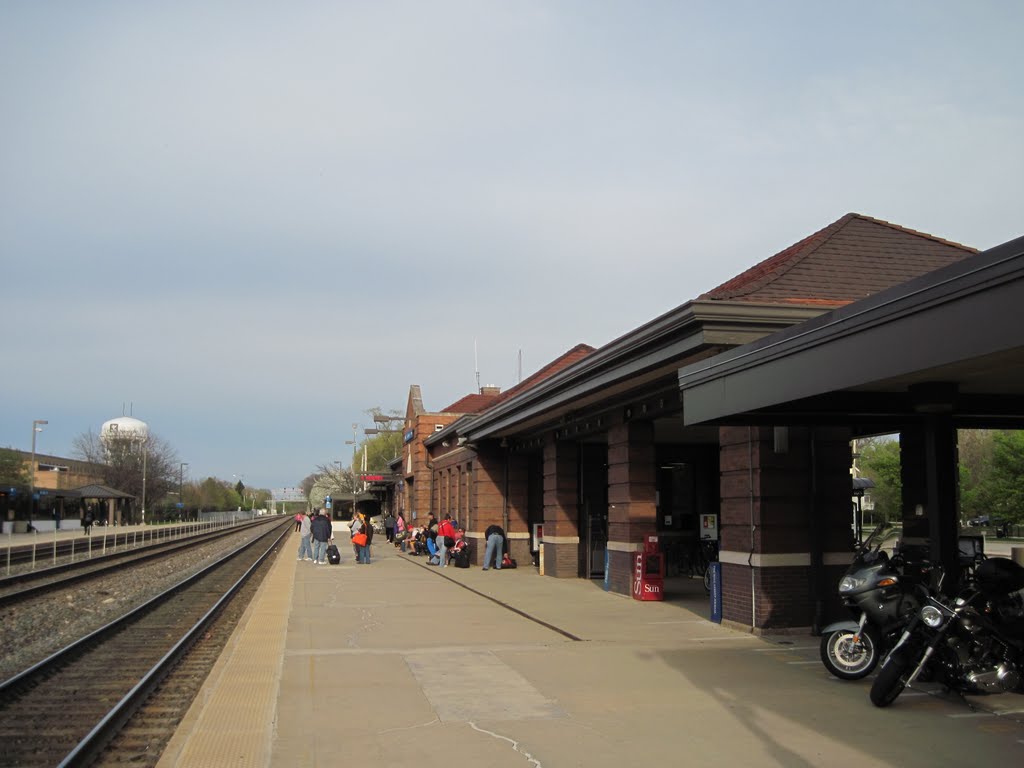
12,468
975,456
124,461
307,484
332,479
214,494
1002,494
880,460
380,450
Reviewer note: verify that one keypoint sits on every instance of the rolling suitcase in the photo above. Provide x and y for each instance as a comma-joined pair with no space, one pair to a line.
333,555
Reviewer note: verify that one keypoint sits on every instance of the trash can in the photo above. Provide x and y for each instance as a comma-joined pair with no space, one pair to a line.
649,572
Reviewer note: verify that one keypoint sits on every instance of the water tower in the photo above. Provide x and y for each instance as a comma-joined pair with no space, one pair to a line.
125,430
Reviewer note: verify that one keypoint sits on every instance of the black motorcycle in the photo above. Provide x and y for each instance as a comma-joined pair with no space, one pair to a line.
881,601
972,643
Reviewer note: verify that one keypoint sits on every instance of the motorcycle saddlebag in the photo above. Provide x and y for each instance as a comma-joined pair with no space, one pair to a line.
999,576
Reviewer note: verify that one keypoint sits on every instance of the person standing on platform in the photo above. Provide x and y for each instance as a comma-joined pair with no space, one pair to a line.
355,526
87,522
495,537
298,521
389,527
305,552
445,539
368,530
401,531
321,528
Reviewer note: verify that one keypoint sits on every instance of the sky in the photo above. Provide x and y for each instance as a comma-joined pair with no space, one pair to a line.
249,223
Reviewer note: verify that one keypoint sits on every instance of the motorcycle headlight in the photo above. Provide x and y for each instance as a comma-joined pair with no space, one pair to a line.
850,584
932,616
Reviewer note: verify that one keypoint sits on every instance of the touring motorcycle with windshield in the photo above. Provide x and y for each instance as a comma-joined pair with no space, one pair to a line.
881,602
973,642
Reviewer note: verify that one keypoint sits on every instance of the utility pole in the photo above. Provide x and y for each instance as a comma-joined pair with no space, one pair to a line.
37,426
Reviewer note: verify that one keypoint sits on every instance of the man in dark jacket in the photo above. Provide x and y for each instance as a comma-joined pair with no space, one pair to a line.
495,537
321,530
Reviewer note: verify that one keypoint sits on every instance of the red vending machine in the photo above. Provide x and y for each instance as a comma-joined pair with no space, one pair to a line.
649,571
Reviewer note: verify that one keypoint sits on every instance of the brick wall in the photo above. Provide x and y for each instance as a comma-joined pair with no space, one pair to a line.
561,560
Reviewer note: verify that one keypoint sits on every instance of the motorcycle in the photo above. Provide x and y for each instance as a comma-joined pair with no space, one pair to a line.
882,602
972,643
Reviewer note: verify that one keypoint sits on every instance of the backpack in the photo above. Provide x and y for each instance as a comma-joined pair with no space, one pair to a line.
461,558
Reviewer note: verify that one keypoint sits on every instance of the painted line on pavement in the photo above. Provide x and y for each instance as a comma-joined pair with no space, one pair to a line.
496,601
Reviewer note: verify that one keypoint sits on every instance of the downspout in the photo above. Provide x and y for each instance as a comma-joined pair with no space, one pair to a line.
430,468
815,531
504,497
750,556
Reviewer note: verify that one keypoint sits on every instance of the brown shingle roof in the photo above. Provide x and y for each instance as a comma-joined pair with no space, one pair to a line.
560,363
478,403
849,259
470,404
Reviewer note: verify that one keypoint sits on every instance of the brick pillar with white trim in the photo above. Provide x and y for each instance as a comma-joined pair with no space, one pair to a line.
561,502
632,499
785,529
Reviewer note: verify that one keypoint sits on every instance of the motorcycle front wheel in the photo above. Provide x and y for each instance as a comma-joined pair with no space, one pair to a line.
850,659
891,678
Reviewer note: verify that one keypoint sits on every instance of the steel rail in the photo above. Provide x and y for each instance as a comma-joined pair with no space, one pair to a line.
100,566
90,747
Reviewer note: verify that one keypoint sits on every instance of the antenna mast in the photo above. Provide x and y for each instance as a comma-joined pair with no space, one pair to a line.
476,367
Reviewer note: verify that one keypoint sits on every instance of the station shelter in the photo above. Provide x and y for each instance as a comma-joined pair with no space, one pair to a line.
582,462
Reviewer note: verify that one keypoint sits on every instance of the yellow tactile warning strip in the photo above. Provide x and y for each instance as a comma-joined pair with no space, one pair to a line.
228,722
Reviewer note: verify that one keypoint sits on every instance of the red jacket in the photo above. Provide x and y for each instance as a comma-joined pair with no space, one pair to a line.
446,529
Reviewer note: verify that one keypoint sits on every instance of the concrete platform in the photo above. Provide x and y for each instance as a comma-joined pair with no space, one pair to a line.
400,664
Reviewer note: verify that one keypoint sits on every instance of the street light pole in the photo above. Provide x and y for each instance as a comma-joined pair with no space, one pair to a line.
37,426
181,477
145,456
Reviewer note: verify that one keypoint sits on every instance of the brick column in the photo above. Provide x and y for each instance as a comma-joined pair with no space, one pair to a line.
561,516
632,507
517,532
785,525
495,471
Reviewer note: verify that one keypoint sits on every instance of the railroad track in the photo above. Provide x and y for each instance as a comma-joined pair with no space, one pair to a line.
68,708
20,586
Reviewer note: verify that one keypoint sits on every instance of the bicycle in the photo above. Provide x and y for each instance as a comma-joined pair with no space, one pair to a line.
709,555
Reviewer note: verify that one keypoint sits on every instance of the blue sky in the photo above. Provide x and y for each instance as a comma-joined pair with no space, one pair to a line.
247,223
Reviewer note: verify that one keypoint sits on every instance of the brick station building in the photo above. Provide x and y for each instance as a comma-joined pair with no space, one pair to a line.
594,447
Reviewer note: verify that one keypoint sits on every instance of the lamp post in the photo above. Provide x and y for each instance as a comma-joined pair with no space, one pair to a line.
145,456
353,443
181,478
37,426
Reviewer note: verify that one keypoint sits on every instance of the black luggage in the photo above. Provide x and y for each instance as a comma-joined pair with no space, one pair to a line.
333,555
461,558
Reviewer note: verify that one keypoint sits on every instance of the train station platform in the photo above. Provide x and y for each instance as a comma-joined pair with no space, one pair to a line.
398,663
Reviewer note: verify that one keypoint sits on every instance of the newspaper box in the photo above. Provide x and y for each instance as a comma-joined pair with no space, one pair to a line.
649,571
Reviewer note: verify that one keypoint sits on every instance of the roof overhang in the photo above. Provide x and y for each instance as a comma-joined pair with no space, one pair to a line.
950,341
642,358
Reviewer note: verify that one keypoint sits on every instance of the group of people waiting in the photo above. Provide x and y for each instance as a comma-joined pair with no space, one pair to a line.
441,542
316,537
315,534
